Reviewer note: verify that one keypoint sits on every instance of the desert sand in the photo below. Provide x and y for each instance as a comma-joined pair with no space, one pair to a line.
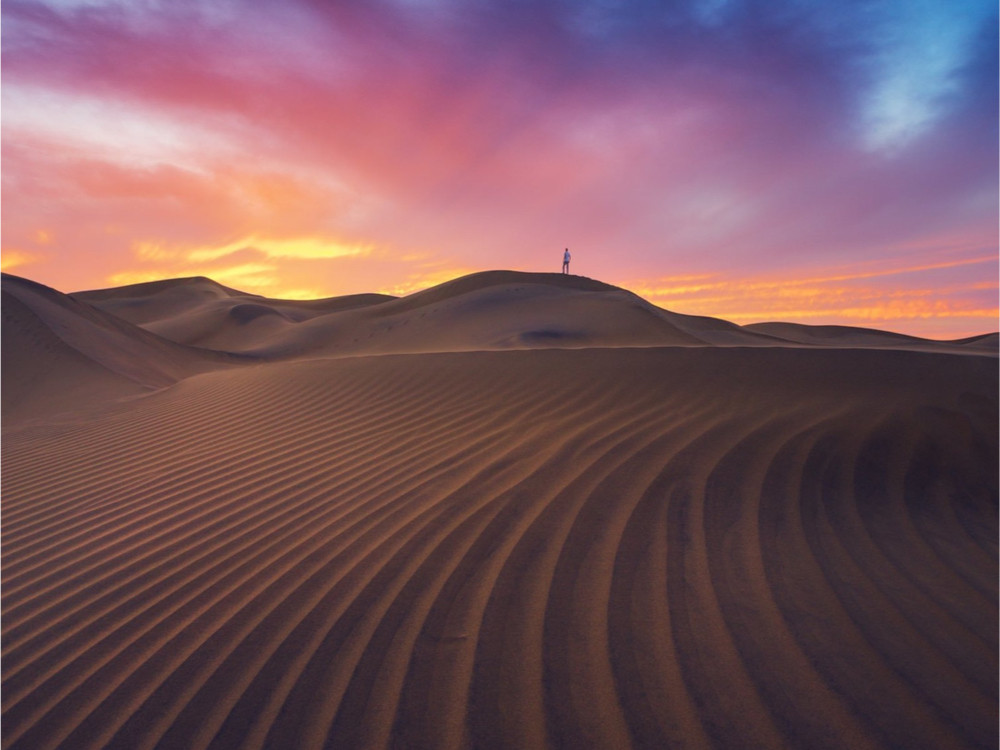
512,511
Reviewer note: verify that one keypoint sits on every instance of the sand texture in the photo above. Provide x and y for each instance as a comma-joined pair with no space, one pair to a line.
512,511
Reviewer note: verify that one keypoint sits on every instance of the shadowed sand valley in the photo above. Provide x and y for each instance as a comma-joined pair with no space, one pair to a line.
512,511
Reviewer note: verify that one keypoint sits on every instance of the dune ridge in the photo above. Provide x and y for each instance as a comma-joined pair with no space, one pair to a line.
486,310
589,546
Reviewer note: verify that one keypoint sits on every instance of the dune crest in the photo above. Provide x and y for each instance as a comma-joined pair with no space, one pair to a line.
483,311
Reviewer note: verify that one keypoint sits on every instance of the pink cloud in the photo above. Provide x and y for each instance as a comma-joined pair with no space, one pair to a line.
478,141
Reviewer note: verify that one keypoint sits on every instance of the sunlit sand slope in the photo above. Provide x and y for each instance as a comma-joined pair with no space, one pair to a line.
658,548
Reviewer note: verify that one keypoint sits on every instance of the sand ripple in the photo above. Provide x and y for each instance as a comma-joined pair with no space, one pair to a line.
601,548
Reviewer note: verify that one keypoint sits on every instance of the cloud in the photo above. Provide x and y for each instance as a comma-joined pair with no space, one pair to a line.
921,51
11,259
769,137
271,266
966,306
302,248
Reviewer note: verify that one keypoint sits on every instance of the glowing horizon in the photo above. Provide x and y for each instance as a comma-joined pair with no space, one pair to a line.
748,161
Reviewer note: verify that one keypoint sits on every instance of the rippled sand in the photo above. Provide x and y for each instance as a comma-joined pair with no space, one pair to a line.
688,544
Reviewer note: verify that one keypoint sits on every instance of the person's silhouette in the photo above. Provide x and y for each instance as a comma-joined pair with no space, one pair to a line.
566,258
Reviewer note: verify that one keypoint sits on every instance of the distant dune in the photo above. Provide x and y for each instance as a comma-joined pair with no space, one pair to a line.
512,511
490,310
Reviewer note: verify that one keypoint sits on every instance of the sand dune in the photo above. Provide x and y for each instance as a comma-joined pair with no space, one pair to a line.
202,313
853,337
482,311
489,310
590,546
155,300
58,352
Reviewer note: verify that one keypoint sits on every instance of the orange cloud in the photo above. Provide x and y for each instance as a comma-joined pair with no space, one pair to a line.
951,310
276,267
11,259
304,248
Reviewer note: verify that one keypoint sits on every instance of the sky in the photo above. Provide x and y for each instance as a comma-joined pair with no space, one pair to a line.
801,160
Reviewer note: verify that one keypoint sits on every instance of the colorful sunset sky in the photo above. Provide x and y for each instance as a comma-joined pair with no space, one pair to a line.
811,161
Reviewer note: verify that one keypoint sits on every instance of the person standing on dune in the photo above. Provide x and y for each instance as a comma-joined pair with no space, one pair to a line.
566,257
